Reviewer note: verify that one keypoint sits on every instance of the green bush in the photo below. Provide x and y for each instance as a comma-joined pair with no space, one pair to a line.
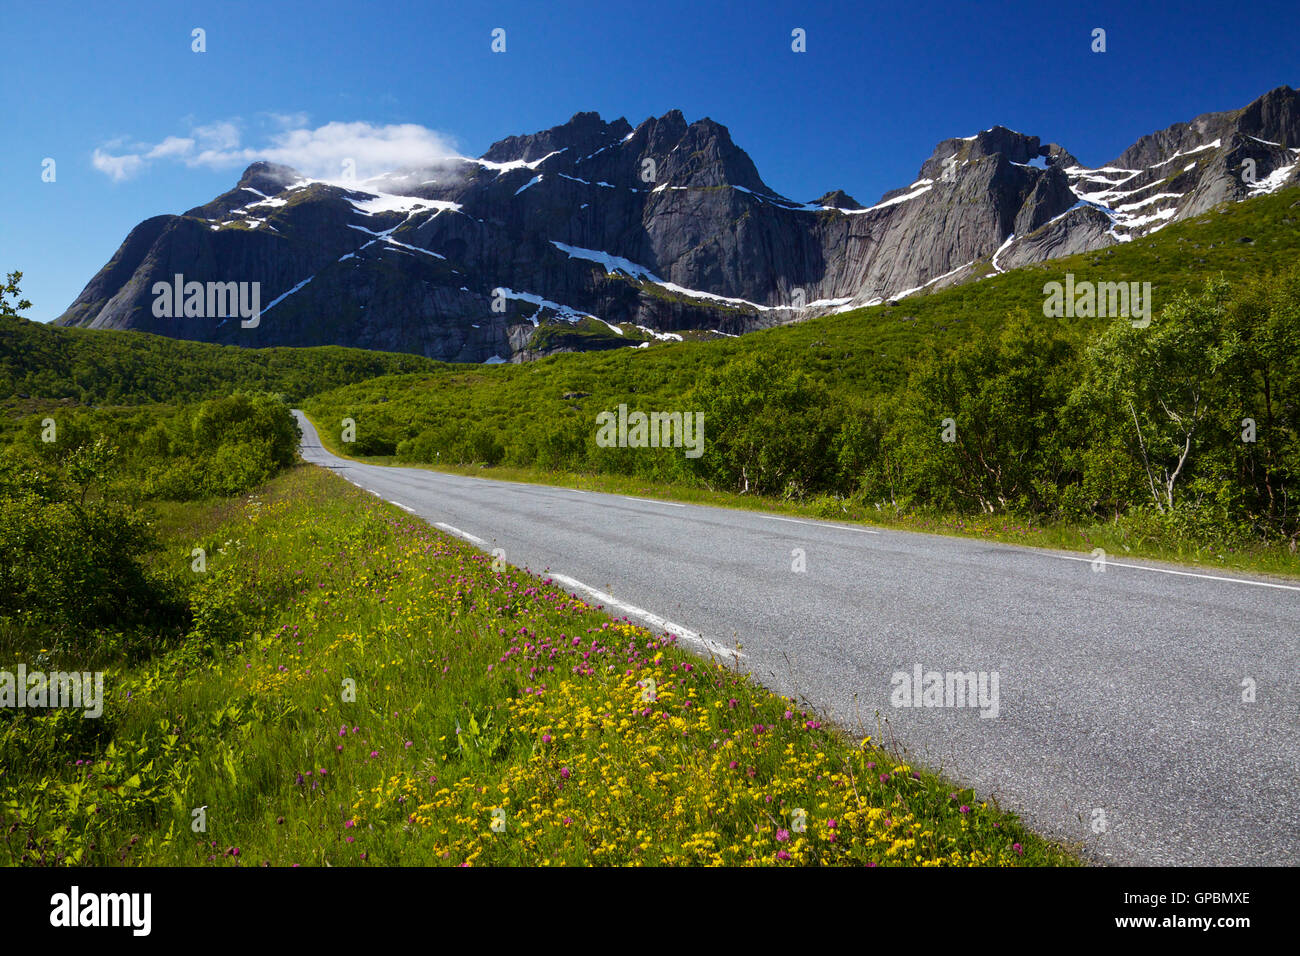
69,565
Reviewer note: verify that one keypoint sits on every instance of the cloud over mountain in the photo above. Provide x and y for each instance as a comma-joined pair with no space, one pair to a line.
333,151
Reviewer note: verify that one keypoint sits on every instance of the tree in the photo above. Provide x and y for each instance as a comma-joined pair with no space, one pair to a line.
10,288
977,423
1158,386
768,428
1264,314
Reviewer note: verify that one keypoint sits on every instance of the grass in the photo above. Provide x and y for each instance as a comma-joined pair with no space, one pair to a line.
360,689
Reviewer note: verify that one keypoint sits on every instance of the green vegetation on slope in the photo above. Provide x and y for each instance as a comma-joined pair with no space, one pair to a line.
102,366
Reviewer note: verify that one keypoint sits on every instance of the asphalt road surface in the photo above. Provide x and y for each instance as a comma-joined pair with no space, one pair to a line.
1119,719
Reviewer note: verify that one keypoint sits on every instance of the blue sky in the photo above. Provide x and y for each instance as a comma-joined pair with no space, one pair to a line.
879,85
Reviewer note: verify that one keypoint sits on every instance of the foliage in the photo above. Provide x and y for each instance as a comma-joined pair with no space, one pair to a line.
115,367
495,719
68,565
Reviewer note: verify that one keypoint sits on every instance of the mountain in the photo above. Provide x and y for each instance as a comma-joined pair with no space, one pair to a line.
594,234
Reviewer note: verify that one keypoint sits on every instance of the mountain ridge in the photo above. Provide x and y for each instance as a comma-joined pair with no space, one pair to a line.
644,233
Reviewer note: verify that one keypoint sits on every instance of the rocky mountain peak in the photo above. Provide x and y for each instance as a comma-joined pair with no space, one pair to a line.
702,154
583,134
997,141
268,178
1277,111
837,199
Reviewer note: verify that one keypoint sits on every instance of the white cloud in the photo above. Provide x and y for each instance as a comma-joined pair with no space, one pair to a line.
171,147
220,135
324,152
116,168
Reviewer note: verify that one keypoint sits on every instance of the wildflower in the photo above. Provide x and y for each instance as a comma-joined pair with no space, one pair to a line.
782,836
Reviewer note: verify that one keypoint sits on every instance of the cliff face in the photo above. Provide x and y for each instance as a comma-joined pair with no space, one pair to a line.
668,226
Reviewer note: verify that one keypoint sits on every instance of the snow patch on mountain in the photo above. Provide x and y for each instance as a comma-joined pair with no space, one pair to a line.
515,163
284,295
614,264
532,182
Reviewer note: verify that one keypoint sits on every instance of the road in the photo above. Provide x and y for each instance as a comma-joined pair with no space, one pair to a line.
1120,721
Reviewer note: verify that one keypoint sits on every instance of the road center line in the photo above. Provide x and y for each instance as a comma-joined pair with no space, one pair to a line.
654,620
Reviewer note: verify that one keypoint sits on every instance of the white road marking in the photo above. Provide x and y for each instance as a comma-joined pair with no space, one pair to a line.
821,524
1189,574
403,507
472,539
663,624
651,501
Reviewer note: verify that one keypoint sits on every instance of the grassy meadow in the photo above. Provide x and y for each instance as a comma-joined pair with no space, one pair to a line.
355,688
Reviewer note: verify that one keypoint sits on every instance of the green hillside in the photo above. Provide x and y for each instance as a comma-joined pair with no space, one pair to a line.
100,366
